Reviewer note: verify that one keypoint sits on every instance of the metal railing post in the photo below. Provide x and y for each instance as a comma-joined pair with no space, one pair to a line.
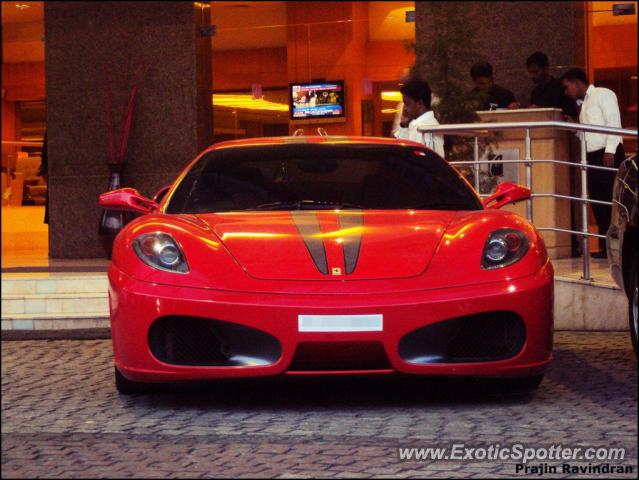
476,166
584,206
529,206
467,128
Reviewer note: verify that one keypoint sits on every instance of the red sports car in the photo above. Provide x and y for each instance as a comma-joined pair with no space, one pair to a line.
326,255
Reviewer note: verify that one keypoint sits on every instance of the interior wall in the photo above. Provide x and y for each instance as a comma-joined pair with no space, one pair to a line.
239,69
23,81
8,129
330,43
613,46
8,121
385,60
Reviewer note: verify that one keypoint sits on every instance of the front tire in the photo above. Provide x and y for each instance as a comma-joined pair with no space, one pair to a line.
129,387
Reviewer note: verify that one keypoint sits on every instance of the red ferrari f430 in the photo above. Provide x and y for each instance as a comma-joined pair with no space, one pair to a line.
326,255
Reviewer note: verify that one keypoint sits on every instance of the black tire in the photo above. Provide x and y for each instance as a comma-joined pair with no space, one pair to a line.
632,305
129,387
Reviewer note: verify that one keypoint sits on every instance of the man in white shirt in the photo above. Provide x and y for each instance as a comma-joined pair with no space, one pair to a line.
416,113
599,107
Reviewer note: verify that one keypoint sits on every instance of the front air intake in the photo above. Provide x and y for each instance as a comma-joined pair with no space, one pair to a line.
183,340
485,337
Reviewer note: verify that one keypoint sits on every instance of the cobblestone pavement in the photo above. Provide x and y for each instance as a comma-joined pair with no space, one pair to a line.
61,417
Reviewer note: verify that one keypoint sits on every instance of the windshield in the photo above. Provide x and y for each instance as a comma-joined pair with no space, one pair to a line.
321,176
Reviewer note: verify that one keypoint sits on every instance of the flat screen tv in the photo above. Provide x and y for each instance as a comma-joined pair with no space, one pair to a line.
316,100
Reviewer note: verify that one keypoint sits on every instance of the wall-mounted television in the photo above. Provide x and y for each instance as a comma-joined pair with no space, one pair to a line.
316,100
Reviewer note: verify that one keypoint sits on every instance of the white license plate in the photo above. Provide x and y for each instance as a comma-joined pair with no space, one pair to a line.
340,323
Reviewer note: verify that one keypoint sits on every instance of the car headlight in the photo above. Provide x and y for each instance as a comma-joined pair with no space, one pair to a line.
161,251
504,247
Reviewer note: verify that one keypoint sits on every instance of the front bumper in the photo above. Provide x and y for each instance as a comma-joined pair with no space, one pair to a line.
136,305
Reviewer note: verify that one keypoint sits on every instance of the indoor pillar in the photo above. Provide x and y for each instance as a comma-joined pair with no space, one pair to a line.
172,119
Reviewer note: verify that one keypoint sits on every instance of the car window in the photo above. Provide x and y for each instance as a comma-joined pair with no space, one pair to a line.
316,176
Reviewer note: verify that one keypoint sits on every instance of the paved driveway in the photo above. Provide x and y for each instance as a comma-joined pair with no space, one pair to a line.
61,417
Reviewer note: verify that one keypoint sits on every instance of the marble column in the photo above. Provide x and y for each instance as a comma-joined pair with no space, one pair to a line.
172,120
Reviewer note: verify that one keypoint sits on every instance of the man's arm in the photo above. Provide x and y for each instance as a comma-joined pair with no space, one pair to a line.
402,130
510,100
403,133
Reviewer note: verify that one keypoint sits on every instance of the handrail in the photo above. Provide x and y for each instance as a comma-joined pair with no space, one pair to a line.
471,127
557,162
480,129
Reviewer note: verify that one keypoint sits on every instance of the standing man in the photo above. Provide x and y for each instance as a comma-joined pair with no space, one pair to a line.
599,107
493,96
548,91
417,112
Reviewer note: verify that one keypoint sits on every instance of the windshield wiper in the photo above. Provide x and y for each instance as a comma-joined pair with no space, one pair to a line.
305,205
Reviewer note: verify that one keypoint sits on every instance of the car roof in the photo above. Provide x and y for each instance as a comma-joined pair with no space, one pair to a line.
301,139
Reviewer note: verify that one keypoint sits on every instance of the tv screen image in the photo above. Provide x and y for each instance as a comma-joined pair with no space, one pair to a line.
317,100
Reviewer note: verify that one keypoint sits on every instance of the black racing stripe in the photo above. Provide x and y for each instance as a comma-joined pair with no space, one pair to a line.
307,224
352,242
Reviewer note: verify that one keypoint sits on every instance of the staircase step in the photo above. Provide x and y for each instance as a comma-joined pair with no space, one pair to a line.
47,283
588,305
55,303
54,316
49,321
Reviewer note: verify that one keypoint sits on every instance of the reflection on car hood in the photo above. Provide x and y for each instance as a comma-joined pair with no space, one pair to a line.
331,244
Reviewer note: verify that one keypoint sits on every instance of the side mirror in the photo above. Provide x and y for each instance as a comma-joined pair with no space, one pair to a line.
128,199
161,193
507,192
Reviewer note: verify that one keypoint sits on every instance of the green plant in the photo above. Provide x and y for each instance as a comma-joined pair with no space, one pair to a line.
443,58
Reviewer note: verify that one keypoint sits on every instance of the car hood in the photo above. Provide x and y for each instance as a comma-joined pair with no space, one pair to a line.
337,245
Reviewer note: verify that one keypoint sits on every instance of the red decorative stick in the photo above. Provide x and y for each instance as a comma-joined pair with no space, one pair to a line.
129,116
109,99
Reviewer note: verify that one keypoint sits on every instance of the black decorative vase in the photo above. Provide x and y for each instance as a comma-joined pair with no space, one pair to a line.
112,220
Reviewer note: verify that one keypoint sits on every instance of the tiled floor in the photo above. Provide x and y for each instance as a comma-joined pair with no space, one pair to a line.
572,268
62,418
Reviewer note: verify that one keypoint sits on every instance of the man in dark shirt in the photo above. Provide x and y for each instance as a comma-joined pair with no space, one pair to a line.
548,91
490,96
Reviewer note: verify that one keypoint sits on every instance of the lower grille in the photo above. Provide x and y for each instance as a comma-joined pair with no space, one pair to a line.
339,356
182,340
474,338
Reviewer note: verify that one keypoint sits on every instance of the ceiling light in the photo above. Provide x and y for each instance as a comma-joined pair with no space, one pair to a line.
247,102
22,6
392,96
